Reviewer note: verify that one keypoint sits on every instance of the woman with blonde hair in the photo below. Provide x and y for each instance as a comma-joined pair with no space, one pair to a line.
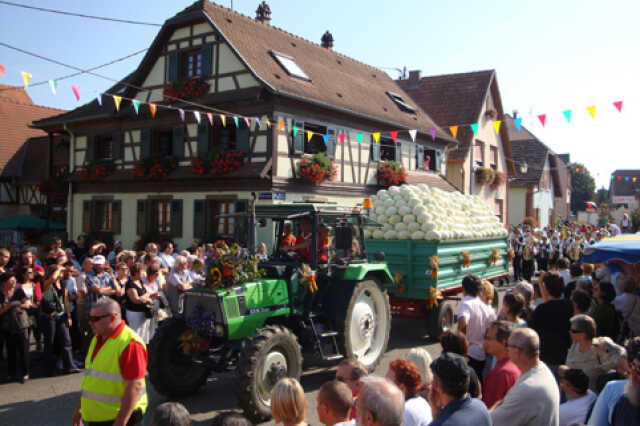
421,358
288,405
487,292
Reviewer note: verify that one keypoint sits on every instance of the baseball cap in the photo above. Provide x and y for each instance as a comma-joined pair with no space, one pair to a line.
450,367
99,260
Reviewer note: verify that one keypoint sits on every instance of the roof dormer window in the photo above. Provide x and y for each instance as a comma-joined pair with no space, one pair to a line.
400,103
290,66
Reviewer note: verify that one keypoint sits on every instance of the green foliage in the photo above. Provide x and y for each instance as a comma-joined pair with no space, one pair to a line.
583,186
602,196
230,266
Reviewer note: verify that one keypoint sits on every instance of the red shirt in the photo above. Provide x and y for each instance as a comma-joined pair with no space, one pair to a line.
498,381
305,254
133,360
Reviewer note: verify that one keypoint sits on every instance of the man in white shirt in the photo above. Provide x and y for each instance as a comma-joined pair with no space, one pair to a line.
473,320
575,384
178,282
166,257
535,398
334,404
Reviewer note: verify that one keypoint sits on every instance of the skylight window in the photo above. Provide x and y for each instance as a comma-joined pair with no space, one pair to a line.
401,103
290,65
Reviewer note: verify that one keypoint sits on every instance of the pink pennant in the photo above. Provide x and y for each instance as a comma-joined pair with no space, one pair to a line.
76,91
543,119
248,122
394,136
210,117
433,133
618,105
341,137
1,70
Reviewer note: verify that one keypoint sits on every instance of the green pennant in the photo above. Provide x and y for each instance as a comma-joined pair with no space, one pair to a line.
359,136
136,105
295,130
567,115
474,127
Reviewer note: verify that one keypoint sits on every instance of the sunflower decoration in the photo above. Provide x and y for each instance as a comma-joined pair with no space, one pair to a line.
215,274
466,258
192,344
231,265
495,254
433,262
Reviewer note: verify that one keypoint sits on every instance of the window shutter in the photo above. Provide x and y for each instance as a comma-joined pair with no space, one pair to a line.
438,162
176,218
142,224
298,139
420,158
117,146
116,217
241,224
145,143
375,150
207,60
199,220
173,67
86,217
242,139
331,143
91,149
398,156
204,136
177,149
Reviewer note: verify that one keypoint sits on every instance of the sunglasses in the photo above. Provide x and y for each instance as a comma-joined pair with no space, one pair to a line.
98,317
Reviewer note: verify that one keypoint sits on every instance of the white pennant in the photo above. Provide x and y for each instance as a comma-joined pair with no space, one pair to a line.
413,133
196,114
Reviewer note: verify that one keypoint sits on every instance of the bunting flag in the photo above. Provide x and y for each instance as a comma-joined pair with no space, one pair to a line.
76,91
210,117
496,126
376,137
618,105
592,111
136,105
309,135
433,132
474,128
341,138
634,179
394,136
99,98
281,125
117,100
413,134
235,120
152,109
359,137
518,122
326,140
454,131
1,70
258,122
224,120
295,130
26,77
181,112
567,115
196,114
543,119
247,122
266,120
53,84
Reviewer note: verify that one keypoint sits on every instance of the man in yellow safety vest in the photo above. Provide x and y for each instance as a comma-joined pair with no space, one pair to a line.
113,386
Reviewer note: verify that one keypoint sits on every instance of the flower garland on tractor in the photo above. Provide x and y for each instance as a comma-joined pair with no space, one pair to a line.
189,88
154,167
96,170
217,162
391,173
317,168
231,266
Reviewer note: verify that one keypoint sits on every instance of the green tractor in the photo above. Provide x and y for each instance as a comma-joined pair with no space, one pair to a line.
311,306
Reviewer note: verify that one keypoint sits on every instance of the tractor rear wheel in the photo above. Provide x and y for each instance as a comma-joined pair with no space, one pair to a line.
441,320
367,324
273,353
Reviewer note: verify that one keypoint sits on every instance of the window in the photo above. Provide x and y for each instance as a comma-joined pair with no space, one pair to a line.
162,143
289,65
191,63
405,107
316,143
388,149
493,156
497,207
103,215
429,159
225,225
104,147
161,215
478,153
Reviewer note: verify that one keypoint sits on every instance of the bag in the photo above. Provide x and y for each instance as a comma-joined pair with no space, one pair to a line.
15,320
148,311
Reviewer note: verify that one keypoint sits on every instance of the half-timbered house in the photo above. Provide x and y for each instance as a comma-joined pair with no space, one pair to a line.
273,96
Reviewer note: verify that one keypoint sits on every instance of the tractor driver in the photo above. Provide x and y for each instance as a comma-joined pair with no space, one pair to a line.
288,239
303,241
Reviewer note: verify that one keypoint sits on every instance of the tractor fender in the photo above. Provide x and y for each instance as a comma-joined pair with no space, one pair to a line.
378,271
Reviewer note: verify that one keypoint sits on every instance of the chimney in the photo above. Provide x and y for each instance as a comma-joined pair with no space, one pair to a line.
414,79
515,113
327,40
263,13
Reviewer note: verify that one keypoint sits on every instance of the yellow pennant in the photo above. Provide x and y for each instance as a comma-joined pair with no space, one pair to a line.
224,120
117,100
26,77
496,125
454,131
592,111
280,125
309,135
266,120
152,108
376,137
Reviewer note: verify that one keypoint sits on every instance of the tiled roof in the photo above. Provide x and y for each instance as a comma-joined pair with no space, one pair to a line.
14,94
337,81
625,187
534,153
14,121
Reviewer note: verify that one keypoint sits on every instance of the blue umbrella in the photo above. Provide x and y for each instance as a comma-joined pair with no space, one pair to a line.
625,247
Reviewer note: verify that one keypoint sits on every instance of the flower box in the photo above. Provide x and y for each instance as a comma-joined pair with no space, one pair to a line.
154,167
499,179
391,173
96,170
190,88
317,168
217,162
485,175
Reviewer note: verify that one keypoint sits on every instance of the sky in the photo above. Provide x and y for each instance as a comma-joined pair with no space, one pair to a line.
549,56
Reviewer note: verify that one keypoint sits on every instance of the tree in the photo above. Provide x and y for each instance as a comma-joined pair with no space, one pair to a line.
602,196
583,186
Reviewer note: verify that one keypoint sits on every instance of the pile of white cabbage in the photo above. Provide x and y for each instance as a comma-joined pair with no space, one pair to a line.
420,212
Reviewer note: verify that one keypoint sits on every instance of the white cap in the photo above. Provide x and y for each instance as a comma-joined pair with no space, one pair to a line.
99,260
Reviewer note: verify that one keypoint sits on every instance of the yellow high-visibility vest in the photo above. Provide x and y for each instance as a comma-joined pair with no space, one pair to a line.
103,385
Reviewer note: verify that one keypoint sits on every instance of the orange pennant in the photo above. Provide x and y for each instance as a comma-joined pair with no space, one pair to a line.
280,125
454,131
152,109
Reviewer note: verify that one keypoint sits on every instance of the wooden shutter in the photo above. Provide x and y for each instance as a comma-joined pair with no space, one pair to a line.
298,139
145,143
375,150
199,219
116,217
438,160
176,218
398,153
241,224
91,149
331,143
177,141
420,158
86,216
117,146
242,139
142,217
173,67
204,136
207,60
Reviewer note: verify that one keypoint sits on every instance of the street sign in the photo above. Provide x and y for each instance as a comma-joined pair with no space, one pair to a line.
277,196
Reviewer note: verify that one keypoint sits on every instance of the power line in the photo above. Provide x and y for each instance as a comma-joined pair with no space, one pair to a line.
79,15
40,83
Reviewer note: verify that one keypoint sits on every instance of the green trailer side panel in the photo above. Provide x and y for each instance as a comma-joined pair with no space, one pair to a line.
411,258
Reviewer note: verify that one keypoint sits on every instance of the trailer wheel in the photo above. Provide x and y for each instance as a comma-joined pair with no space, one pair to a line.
443,321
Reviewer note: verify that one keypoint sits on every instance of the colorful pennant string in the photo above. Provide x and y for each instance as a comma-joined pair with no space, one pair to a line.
281,126
53,84
376,137
99,98
235,120
518,123
567,115
394,136
413,134
196,115
247,122
257,120
454,131
136,106
618,105
433,132
76,91
295,130
117,100
341,138
152,109
1,70
325,138
181,112
224,120
592,111
309,135
359,137
26,77
210,117
543,119
474,128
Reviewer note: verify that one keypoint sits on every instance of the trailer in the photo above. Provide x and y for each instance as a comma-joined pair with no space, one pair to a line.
428,274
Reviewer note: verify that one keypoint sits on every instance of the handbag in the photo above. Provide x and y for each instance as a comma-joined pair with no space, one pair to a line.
16,319
148,310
